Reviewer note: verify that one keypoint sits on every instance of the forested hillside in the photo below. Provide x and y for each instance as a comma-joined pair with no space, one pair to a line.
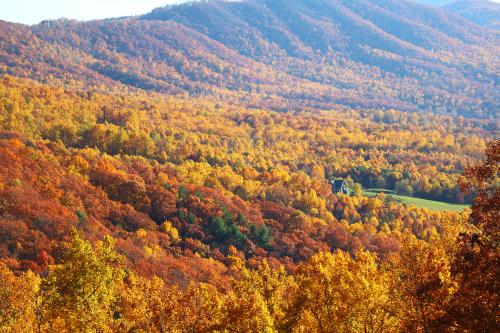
274,54
195,191
136,162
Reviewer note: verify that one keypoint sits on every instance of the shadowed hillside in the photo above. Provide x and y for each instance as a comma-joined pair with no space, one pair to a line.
277,54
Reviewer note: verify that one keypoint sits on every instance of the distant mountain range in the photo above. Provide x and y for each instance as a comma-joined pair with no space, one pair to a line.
279,54
485,13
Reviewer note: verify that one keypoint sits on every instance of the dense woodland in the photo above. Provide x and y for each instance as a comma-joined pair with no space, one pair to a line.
141,212
171,172
275,54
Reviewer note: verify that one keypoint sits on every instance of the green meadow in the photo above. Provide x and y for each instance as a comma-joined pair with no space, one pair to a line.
418,202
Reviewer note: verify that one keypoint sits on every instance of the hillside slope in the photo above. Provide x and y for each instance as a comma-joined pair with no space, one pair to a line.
179,181
276,54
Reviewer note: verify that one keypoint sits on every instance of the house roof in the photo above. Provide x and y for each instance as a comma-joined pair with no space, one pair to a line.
337,182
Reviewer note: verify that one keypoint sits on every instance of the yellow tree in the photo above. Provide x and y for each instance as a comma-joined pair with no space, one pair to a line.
80,290
201,309
260,300
245,309
421,282
18,301
339,293
148,305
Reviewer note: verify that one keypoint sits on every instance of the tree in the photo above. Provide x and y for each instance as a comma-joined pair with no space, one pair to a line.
420,282
80,290
474,308
341,294
219,229
147,305
358,189
259,300
261,235
18,301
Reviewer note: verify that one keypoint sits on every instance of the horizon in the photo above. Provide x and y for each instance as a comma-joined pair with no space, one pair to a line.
38,11
34,11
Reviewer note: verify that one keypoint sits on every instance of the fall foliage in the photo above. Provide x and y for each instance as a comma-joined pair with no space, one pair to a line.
175,171
192,217
275,54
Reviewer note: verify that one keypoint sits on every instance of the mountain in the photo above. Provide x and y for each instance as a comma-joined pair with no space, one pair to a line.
482,12
282,55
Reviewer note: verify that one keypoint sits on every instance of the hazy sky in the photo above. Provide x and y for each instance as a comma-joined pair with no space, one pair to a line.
34,11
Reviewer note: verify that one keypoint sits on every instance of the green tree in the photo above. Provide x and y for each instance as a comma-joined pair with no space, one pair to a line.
219,229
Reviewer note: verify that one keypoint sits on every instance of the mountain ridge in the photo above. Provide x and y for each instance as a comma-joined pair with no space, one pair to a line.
275,54
482,12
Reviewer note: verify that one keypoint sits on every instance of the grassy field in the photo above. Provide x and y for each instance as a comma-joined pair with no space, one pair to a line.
421,203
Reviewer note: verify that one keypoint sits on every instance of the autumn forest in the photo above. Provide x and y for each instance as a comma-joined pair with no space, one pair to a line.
176,171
